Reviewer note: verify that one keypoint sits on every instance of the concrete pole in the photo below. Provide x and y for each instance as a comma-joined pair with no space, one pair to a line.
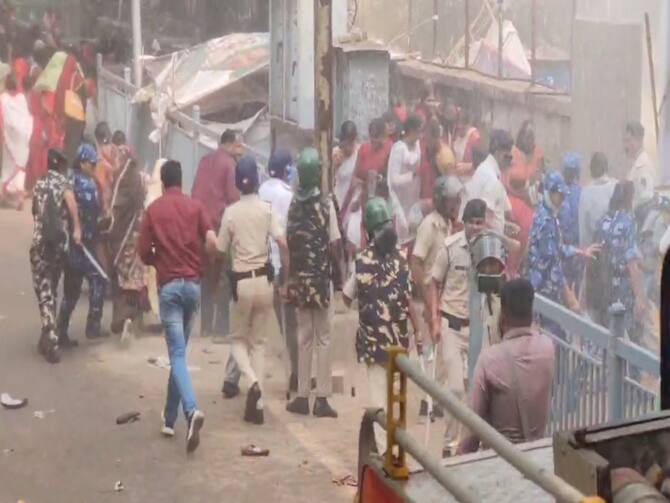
136,15
323,80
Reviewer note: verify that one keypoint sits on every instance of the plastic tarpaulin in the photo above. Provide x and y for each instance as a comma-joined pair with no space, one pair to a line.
198,75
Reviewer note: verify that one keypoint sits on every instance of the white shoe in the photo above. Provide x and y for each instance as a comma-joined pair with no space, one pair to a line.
166,431
127,334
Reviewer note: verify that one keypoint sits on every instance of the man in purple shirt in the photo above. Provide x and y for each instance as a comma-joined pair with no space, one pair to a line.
214,187
512,382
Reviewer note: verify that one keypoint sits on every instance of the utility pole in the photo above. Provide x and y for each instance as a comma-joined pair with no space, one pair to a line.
323,82
136,16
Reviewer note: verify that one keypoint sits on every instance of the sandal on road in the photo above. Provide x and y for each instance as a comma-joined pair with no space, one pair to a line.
254,452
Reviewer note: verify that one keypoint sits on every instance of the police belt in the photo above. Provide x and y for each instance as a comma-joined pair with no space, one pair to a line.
261,271
455,323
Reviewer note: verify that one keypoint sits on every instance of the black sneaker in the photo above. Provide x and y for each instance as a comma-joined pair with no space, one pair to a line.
299,405
252,414
230,389
323,409
195,423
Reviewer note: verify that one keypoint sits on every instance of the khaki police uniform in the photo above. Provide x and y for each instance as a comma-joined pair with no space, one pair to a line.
245,229
452,270
429,240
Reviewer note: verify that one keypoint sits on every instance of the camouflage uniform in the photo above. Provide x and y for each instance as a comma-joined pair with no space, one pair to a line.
547,255
311,227
47,258
384,290
616,232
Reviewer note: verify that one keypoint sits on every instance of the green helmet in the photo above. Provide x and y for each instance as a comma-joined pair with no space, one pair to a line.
440,191
309,169
376,214
445,187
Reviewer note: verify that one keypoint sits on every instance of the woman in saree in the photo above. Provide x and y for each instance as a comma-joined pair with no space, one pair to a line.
16,129
126,208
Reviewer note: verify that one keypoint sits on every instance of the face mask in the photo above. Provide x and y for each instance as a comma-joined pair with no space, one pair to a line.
386,239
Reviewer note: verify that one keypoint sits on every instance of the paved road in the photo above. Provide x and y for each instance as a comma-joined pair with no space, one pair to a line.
77,453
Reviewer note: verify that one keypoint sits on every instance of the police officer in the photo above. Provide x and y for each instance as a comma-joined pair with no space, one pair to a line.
381,282
246,227
568,216
450,316
53,203
313,234
79,265
548,253
437,225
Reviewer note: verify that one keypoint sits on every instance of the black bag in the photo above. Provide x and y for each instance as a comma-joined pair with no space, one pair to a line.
53,230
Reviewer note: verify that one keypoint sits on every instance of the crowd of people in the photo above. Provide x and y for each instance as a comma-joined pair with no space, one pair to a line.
395,237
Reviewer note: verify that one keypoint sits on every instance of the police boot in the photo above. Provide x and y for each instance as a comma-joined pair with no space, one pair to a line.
93,330
48,348
323,409
252,414
299,405
64,341
230,389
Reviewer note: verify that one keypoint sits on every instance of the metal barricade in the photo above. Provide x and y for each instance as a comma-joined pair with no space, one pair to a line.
399,442
592,382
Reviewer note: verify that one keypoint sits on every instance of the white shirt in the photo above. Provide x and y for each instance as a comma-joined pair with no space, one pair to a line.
486,185
593,205
642,176
278,193
405,188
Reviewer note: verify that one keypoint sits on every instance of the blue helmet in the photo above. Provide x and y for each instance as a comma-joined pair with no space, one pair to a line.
87,153
572,163
554,182
279,162
246,174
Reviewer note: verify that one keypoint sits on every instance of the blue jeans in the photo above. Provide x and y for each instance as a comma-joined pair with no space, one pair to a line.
179,302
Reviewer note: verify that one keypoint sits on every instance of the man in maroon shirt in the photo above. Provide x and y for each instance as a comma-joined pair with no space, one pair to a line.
214,187
174,230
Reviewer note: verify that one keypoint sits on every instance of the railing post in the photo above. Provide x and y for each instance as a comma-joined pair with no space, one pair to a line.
127,99
101,99
395,464
615,365
196,136
476,326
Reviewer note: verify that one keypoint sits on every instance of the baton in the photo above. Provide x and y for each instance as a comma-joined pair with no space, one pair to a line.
94,263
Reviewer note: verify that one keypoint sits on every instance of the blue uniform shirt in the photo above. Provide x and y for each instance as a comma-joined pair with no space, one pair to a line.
88,203
617,233
568,215
547,254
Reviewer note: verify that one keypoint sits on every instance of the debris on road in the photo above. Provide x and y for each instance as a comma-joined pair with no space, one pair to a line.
207,351
7,451
12,403
41,414
128,417
161,362
347,480
118,487
254,452
214,362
